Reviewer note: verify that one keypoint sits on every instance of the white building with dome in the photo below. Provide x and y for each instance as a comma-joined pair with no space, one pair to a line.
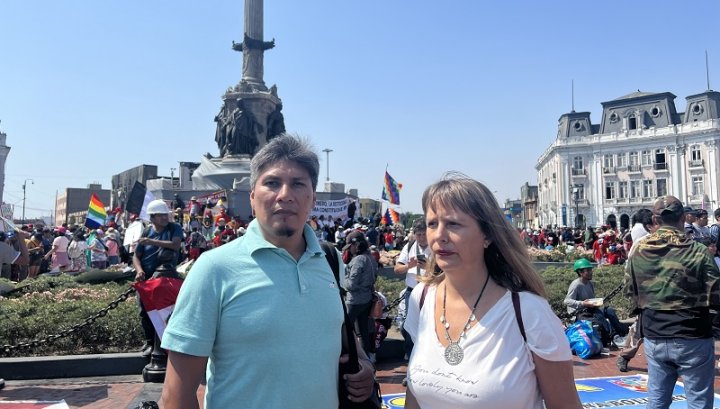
594,174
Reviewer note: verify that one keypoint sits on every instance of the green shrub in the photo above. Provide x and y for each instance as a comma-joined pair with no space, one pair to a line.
49,305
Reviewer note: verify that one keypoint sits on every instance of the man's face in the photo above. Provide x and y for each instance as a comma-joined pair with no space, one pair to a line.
160,220
282,199
586,274
702,220
421,237
690,218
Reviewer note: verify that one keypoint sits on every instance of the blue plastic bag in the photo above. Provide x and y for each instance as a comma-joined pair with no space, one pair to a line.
583,339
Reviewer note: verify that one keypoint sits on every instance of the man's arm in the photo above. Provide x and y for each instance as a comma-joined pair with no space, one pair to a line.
173,244
139,272
571,298
404,263
359,385
182,379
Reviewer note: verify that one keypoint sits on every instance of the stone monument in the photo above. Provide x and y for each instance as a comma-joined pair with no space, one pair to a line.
4,151
251,114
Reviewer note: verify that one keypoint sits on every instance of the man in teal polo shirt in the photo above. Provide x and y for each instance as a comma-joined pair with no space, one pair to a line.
263,312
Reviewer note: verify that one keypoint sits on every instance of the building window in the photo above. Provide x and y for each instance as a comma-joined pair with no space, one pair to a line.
609,190
634,159
635,188
580,192
622,160
647,188
698,187
609,161
695,153
646,158
632,122
661,187
660,159
623,190
578,162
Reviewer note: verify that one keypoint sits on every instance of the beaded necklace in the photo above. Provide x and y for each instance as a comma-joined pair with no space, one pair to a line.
454,353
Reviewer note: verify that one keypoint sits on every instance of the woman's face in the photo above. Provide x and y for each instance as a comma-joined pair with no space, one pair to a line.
455,238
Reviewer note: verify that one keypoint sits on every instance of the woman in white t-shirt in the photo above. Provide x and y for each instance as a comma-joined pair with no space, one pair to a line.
469,350
58,252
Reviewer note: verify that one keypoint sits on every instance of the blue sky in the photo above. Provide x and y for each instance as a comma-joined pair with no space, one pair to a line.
91,88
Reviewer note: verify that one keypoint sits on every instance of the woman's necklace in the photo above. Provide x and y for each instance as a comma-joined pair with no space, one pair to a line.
453,352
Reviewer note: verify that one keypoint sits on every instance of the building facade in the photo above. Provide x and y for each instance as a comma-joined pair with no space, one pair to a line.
75,201
594,174
529,200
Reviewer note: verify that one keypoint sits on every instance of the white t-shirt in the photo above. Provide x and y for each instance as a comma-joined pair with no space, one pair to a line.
497,370
404,258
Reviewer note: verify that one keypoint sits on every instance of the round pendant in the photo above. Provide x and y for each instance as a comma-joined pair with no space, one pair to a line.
454,353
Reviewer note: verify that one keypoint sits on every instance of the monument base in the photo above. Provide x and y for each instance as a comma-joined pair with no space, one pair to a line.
222,173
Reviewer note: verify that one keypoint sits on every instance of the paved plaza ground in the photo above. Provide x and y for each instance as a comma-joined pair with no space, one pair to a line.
127,391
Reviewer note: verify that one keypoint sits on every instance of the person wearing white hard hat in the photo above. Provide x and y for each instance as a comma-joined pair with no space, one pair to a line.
161,236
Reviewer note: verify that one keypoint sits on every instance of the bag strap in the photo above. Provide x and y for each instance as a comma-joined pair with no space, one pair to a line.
422,296
518,314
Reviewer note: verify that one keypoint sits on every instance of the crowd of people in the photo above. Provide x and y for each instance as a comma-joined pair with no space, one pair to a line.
475,305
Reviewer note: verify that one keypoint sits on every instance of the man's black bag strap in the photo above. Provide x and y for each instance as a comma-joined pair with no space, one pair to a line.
334,262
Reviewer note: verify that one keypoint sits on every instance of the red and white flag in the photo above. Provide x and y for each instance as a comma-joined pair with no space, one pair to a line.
158,296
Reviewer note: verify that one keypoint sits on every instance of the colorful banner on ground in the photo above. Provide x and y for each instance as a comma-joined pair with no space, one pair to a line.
627,392
335,208
158,296
96,214
34,404
391,189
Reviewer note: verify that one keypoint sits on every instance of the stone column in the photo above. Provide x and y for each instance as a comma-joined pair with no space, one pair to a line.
4,150
253,55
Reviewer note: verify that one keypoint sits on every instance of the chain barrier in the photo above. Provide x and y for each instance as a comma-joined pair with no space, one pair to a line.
7,349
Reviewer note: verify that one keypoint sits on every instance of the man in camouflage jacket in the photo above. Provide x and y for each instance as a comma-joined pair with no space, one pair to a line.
674,282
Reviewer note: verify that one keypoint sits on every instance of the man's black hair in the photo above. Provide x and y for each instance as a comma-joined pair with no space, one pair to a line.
642,216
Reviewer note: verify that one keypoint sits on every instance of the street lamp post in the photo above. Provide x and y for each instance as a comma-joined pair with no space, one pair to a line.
327,166
576,198
32,182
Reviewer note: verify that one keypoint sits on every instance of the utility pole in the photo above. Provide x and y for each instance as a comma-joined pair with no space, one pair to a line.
32,182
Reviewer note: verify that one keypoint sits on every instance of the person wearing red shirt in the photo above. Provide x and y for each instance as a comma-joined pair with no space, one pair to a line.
222,216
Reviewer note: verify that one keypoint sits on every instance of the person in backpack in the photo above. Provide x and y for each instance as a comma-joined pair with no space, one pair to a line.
360,276
479,319
579,304
161,235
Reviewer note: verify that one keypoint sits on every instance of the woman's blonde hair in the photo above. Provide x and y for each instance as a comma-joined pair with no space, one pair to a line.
507,258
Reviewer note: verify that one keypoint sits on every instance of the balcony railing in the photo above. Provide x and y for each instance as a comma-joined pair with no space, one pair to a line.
661,166
578,172
608,169
697,163
633,168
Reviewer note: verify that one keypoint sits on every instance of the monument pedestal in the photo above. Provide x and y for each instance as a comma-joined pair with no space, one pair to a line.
221,173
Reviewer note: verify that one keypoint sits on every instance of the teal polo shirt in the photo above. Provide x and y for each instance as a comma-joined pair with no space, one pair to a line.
270,325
